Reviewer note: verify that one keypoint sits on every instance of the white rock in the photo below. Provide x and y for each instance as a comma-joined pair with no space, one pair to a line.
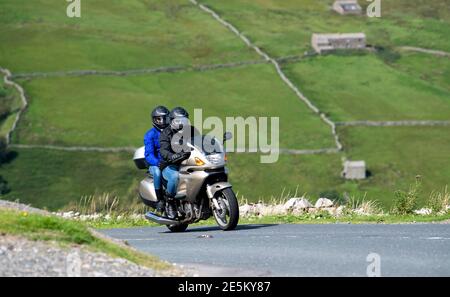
258,209
278,210
245,210
340,211
297,204
423,211
313,210
323,202
331,210
269,210
361,212
68,215
96,216
290,203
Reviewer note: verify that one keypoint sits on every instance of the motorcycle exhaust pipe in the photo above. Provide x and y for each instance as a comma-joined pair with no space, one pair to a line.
160,220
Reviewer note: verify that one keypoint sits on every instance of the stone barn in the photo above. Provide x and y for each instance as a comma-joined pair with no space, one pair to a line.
346,7
323,43
354,170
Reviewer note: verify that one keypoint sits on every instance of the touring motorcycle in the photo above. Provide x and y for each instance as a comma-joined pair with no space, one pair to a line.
203,189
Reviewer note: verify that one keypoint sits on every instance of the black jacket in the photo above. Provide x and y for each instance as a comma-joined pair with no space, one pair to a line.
168,155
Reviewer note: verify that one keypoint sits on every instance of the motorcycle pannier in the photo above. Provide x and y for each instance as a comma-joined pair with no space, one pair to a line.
139,159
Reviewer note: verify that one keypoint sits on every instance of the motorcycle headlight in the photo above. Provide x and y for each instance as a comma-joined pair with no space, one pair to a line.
215,159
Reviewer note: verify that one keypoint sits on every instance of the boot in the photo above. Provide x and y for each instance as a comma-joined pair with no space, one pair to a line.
171,209
160,205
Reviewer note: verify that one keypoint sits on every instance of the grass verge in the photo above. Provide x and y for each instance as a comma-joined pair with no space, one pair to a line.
67,232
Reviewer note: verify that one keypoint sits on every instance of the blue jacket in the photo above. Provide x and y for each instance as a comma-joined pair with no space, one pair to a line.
151,142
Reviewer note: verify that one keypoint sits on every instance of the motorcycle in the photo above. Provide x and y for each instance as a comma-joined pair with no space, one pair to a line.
203,189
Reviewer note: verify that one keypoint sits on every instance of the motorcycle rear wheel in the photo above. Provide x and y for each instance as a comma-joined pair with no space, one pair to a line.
227,218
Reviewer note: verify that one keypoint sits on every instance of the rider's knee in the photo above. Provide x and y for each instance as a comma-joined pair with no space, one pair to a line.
157,173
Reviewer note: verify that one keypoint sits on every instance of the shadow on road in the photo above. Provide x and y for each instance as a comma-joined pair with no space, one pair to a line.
216,228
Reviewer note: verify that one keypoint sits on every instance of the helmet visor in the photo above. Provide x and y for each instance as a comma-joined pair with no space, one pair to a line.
179,122
161,121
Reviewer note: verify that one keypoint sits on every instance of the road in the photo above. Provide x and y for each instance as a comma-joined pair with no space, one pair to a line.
300,250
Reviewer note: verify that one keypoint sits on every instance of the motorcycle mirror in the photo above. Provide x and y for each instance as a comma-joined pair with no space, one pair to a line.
227,136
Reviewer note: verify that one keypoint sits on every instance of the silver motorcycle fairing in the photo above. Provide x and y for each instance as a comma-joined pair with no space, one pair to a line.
189,186
147,189
192,177
211,190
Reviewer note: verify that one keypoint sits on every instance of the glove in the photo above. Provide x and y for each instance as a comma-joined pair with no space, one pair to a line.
186,155
178,157
175,157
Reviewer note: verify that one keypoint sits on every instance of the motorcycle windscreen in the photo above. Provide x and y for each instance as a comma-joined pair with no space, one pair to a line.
208,144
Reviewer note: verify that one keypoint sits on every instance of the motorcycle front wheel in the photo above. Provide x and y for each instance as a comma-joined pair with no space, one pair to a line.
227,216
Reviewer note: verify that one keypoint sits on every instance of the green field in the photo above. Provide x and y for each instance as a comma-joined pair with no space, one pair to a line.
37,36
434,70
10,105
363,87
285,27
111,111
52,179
114,111
396,155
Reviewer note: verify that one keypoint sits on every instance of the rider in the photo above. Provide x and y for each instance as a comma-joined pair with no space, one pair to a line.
173,152
160,120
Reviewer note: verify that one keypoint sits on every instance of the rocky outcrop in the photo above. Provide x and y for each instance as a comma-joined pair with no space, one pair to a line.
423,211
294,206
323,202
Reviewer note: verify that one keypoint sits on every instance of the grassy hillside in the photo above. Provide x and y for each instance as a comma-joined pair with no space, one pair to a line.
52,179
390,84
395,155
9,106
434,70
119,34
363,87
285,27
114,111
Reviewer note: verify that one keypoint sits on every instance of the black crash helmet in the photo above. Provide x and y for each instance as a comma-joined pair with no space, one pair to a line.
178,118
160,117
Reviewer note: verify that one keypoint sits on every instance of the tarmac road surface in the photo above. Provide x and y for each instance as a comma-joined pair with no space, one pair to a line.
300,249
